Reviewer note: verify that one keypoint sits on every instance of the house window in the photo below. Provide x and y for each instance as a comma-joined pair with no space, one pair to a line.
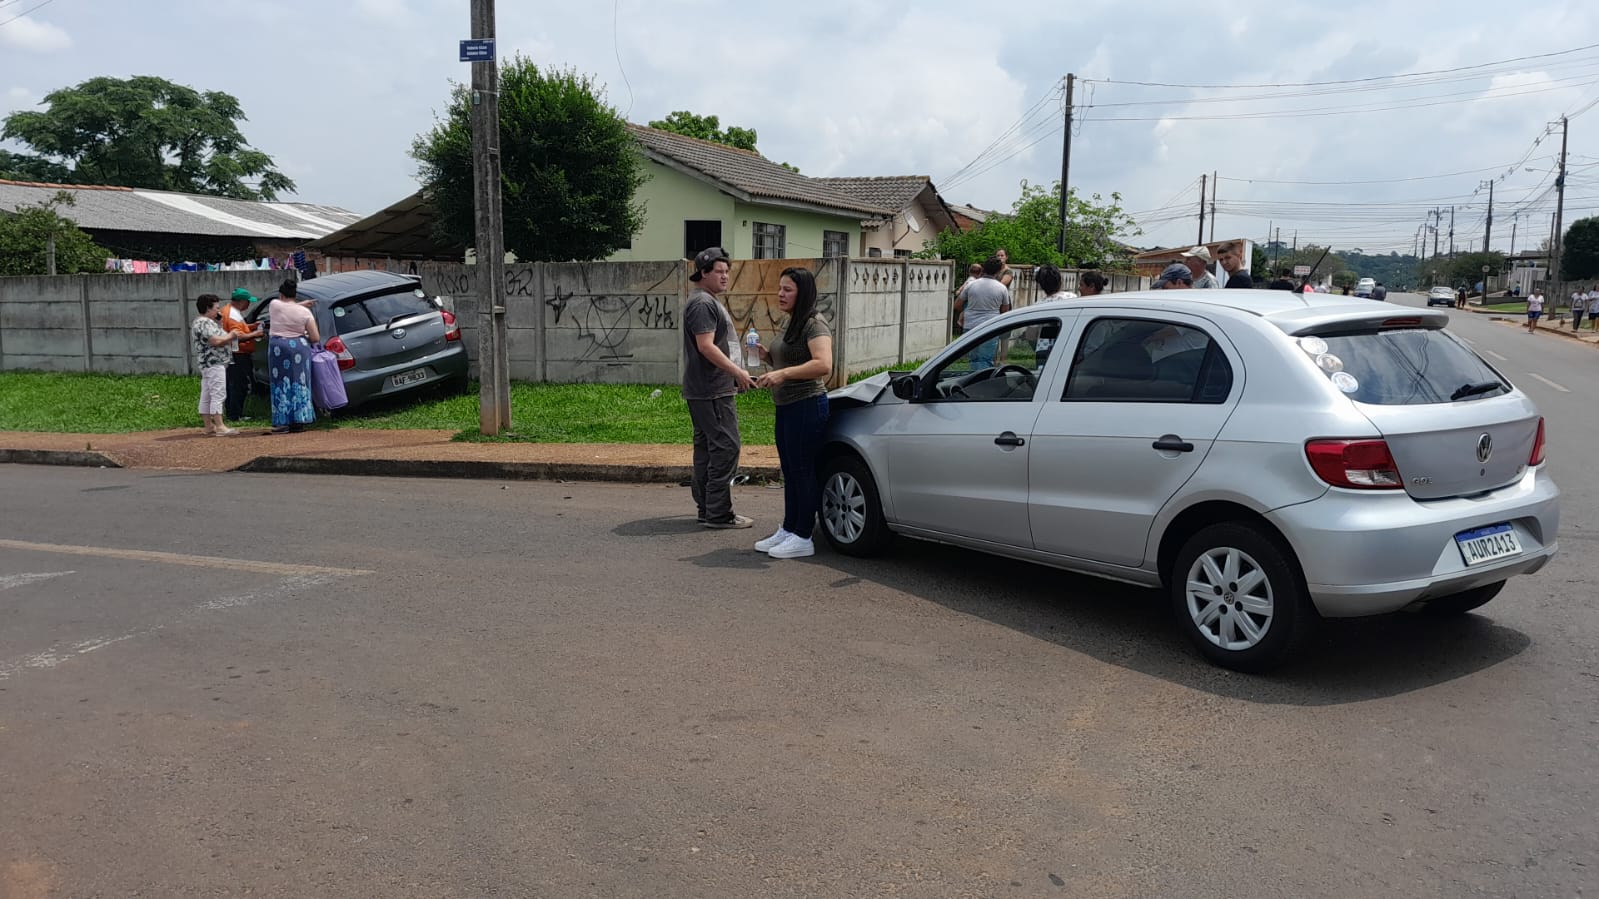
770,241
902,254
835,243
700,234
874,252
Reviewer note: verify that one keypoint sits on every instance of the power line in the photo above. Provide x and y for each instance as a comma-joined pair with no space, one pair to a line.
25,12
1022,122
1350,80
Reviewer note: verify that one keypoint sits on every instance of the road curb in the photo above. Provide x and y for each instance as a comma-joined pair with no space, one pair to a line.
57,457
479,468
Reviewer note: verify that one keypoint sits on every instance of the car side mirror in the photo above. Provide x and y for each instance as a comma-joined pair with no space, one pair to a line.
906,388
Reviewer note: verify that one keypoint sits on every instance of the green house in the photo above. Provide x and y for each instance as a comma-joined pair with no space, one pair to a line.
701,194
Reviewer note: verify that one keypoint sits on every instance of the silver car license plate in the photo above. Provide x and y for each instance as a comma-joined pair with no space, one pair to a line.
409,377
1496,541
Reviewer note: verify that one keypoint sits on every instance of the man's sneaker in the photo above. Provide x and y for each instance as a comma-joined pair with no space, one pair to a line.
781,535
737,521
794,547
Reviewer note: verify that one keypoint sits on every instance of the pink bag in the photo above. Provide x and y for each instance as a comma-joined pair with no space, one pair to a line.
327,384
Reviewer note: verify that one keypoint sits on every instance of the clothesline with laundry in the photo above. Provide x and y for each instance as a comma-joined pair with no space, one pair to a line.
297,262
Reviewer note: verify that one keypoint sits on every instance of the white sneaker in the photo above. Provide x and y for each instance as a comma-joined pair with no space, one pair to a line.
765,545
793,548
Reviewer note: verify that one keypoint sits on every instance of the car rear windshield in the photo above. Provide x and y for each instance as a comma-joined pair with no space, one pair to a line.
1410,367
375,312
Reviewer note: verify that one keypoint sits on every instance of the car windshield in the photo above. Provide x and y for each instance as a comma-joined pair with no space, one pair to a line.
375,312
1411,366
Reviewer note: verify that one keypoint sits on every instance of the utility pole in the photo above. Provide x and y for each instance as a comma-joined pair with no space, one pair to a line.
1513,220
494,390
1560,212
1488,227
1451,232
1214,183
1066,163
1437,219
50,252
1276,247
1201,238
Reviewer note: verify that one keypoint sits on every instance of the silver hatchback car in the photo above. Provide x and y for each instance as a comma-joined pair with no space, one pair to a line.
1267,458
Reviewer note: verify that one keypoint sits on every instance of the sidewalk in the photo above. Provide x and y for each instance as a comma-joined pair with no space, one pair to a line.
358,451
1560,325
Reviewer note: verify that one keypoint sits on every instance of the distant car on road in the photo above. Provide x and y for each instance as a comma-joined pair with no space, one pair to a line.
1441,296
1264,458
390,336
1365,286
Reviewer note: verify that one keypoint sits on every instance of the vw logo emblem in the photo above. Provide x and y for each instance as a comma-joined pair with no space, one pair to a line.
1485,448
400,333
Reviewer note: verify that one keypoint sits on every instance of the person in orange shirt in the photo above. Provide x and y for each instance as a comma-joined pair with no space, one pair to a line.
239,367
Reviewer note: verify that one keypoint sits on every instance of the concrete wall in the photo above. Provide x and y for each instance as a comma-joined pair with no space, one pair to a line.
611,322
116,323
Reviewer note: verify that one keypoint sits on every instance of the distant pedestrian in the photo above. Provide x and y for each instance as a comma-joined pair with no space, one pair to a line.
1534,310
1091,284
801,362
1593,310
973,272
1579,307
292,331
1198,261
212,349
1005,276
1379,293
984,300
241,366
1460,298
1231,257
712,381
1176,276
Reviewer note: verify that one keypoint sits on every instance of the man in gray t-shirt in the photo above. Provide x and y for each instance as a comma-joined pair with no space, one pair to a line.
986,299
712,381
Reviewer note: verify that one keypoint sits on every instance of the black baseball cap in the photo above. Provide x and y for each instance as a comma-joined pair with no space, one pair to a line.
706,259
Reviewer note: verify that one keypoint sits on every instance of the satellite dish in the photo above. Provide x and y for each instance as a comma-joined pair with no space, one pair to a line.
911,222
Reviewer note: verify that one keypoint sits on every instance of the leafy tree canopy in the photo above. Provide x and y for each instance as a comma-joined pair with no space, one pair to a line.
143,132
1579,254
25,240
568,168
1030,233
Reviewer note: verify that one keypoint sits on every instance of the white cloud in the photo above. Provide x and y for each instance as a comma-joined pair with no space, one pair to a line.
34,36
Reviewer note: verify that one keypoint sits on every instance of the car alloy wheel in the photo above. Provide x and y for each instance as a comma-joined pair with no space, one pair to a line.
852,516
1238,595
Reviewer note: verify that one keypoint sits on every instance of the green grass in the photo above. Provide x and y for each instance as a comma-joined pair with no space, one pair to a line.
77,403
1519,307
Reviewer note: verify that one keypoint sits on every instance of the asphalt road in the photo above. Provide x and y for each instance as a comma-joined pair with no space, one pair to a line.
563,690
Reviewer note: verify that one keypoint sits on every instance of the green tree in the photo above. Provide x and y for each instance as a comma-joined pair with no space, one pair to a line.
568,167
1579,253
25,241
22,167
1345,278
145,132
1030,232
1465,270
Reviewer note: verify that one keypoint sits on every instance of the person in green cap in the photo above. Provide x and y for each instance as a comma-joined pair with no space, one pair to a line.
239,367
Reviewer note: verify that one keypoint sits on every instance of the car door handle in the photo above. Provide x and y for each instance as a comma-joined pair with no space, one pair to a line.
1009,438
1171,443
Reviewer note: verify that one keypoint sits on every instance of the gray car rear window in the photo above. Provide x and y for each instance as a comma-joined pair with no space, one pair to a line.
1410,367
378,311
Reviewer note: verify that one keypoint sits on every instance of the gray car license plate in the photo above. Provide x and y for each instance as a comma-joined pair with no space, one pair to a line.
1496,541
409,377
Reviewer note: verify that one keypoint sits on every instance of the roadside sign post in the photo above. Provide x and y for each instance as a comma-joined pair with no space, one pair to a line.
494,376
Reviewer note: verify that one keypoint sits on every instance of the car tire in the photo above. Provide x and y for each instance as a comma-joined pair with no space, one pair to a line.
1464,601
851,512
1253,628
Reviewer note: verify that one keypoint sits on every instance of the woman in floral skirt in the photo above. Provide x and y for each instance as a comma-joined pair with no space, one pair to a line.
293,334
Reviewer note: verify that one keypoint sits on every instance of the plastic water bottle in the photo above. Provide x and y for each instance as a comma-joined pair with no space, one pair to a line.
752,349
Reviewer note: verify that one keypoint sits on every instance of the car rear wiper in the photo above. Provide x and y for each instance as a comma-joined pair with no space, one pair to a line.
1466,390
396,318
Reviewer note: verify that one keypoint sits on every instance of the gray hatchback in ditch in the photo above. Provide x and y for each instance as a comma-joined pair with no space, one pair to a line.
1267,458
389,335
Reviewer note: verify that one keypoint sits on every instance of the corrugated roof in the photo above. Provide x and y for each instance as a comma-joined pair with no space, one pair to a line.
168,212
751,173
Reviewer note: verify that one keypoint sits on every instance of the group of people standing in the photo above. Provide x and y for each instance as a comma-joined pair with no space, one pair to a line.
797,368
1585,302
224,346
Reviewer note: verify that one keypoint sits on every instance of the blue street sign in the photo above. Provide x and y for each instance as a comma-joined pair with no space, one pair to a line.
479,50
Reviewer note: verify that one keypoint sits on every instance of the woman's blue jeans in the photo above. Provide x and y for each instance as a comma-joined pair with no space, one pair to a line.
800,426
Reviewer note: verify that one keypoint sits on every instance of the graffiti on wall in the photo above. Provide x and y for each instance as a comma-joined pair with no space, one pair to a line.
606,321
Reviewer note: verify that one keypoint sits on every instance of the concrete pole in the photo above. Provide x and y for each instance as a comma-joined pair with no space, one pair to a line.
50,255
1488,227
1202,191
494,387
1214,181
1560,212
1066,167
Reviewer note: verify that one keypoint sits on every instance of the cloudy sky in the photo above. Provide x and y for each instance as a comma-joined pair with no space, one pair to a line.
966,93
